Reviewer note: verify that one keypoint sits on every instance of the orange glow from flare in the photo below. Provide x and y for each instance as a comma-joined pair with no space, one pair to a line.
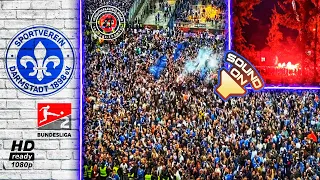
289,66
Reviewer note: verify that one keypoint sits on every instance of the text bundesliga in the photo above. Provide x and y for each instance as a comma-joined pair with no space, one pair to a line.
46,135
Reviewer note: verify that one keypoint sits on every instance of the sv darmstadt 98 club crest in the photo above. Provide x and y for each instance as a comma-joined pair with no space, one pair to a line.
40,60
108,22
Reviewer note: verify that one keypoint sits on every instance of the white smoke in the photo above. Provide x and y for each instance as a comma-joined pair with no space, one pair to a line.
206,59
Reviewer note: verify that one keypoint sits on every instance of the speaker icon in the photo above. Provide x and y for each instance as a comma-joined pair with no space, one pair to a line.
228,86
233,82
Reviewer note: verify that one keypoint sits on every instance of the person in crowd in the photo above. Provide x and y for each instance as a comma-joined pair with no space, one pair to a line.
176,127
213,13
95,173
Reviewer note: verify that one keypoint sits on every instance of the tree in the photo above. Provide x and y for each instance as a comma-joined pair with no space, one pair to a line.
303,16
275,36
242,14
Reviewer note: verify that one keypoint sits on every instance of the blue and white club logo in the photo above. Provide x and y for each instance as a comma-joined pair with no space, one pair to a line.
40,60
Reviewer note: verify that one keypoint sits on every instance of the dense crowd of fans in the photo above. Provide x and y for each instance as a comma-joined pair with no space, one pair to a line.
160,10
196,11
137,127
183,130
285,76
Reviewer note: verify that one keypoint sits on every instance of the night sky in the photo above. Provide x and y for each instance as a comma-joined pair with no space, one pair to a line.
257,31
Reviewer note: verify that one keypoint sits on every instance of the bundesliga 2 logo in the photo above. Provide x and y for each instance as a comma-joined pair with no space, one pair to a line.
54,116
40,60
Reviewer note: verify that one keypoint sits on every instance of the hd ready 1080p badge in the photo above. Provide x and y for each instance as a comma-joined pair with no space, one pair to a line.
40,60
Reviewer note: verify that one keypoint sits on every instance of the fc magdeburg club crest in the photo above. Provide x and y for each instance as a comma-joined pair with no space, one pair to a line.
40,60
